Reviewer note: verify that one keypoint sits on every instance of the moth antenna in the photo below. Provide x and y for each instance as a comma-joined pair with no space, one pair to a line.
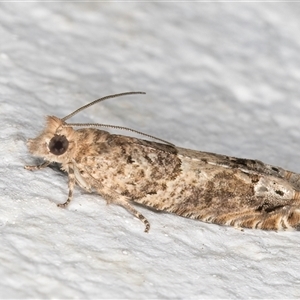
98,100
116,127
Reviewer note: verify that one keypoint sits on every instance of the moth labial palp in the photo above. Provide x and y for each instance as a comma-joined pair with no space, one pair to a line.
199,185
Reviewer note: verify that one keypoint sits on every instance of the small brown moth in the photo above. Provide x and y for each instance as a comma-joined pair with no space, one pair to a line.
199,185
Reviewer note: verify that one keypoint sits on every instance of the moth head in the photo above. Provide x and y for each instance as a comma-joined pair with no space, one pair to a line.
55,143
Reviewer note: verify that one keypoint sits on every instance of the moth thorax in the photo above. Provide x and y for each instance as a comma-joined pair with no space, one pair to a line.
58,145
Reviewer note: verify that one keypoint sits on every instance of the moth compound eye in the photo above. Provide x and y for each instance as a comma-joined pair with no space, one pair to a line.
58,144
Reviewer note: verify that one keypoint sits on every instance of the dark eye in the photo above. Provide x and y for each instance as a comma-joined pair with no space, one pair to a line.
58,144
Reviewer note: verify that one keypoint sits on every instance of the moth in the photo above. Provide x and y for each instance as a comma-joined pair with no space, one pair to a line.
124,170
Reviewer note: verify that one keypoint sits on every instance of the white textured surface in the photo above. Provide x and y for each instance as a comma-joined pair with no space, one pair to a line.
219,77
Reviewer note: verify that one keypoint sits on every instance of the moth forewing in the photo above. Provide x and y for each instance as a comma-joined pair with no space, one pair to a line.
205,186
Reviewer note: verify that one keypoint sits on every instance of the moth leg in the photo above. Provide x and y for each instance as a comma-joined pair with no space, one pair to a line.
131,209
122,201
38,167
71,185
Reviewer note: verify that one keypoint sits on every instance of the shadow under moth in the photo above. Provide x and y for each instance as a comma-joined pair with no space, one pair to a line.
209,187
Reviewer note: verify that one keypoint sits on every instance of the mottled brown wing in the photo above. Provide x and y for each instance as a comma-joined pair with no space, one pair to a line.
200,185
132,167
248,165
